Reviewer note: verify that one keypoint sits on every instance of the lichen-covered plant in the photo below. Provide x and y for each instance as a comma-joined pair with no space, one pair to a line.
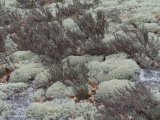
134,102
137,44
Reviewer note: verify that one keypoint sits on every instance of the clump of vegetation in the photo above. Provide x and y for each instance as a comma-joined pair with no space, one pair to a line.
94,30
72,10
91,28
26,3
38,16
1,31
134,103
7,19
35,3
97,1
1,44
59,1
42,35
47,36
136,43
72,75
114,15
2,4
77,74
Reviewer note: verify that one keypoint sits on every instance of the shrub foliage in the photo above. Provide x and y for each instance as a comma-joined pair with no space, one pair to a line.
72,75
135,102
137,43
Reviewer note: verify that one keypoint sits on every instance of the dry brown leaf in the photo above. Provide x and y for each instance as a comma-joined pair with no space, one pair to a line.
5,79
92,100
7,71
41,100
90,94
157,15
155,63
122,115
74,98
93,86
123,15
44,100
22,23
16,90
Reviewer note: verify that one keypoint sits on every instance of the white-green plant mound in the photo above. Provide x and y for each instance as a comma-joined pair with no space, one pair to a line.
114,67
5,109
109,87
59,90
37,95
26,72
60,109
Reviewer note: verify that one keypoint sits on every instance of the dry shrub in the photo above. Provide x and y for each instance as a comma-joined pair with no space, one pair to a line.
94,31
93,28
1,44
73,10
45,38
136,43
42,35
7,19
136,102
35,3
72,75
77,75
8,24
37,16
114,15
2,13
38,32
97,1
